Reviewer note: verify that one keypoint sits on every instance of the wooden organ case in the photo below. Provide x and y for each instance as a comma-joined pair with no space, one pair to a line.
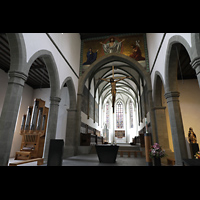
33,129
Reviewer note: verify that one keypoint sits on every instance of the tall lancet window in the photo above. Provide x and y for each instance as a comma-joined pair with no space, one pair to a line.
131,114
107,114
119,115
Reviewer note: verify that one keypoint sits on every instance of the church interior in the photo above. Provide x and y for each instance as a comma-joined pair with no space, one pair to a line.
111,99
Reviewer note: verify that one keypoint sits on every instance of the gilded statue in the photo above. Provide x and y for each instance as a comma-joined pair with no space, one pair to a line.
192,136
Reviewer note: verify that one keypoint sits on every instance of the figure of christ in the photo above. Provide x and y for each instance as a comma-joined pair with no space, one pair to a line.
112,46
113,87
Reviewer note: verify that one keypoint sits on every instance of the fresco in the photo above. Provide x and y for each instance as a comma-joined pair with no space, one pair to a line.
132,45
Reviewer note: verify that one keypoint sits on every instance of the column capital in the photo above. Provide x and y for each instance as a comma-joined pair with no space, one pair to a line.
171,94
159,108
80,94
17,77
196,65
55,100
71,110
195,62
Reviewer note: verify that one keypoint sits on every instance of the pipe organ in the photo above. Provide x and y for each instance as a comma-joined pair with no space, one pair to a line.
33,130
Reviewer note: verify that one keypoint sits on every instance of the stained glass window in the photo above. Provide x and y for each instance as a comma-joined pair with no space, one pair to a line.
107,114
131,114
119,115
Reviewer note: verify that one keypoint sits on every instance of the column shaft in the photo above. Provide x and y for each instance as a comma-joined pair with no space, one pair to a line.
52,124
176,123
9,113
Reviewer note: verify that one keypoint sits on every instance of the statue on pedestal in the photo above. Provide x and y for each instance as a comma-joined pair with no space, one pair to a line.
194,147
192,136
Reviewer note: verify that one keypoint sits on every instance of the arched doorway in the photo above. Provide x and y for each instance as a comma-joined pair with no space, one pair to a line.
143,79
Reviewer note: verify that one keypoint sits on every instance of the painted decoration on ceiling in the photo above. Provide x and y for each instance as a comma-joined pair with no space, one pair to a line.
133,45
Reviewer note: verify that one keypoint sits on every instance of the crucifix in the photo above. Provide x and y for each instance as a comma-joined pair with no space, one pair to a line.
113,84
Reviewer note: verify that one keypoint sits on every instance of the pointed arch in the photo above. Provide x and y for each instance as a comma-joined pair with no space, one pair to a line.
51,68
98,64
72,93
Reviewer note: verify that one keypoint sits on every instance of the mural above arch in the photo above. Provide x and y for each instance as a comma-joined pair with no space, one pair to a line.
133,45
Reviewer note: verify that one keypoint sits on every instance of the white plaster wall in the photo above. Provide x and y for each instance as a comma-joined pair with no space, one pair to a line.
153,43
69,44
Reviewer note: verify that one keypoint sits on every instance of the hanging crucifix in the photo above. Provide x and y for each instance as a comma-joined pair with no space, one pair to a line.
113,84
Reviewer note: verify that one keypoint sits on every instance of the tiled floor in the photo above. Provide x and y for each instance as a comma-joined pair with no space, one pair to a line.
92,160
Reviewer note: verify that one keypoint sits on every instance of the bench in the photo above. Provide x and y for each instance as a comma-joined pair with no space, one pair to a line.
129,152
170,161
39,162
23,155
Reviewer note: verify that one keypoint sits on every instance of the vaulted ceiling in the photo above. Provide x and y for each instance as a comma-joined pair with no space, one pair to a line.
125,89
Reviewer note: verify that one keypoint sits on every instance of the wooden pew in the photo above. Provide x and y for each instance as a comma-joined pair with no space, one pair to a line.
39,162
170,161
129,152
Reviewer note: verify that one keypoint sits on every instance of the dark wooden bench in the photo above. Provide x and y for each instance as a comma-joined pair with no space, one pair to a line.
129,152
170,161
39,162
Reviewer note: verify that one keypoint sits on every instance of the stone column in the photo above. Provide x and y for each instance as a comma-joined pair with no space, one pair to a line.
176,123
152,114
70,133
9,113
78,123
161,126
196,66
52,124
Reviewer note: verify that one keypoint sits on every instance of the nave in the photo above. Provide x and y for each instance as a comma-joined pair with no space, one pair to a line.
148,84
92,159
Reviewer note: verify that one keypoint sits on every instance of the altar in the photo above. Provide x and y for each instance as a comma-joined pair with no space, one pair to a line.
107,153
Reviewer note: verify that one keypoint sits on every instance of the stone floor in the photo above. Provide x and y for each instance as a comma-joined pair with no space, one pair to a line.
92,160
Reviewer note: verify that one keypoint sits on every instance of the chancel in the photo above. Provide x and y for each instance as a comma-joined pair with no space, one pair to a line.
111,98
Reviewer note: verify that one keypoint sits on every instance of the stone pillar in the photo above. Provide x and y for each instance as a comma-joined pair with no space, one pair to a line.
52,124
78,123
70,133
176,123
196,66
161,126
9,113
152,114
